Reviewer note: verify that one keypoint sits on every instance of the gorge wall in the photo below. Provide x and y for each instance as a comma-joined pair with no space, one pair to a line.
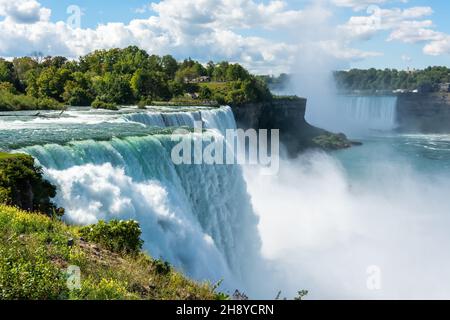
288,115
426,113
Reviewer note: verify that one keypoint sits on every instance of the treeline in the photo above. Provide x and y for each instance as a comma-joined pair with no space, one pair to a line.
427,80
108,78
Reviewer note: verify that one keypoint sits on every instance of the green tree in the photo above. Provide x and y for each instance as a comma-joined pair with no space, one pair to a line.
57,62
236,72
21,67
220,71
7,73
113,88
205,93
51,82
77,94
169,66
148,84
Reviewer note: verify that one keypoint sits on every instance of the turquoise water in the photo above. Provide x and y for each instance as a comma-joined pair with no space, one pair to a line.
425,154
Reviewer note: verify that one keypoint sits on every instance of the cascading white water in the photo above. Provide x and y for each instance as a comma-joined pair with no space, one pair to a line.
353,115
198,217
219,119
172,119
369,112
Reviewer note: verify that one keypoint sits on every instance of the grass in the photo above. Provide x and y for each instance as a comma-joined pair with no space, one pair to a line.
6,156
219,88
35,252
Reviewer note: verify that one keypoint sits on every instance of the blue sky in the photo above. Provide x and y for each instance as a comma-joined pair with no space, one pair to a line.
266,36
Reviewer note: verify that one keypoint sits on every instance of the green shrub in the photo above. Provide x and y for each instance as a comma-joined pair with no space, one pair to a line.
7,86
48,104
22,185
117,236
161,267
142,104
99,104
13,102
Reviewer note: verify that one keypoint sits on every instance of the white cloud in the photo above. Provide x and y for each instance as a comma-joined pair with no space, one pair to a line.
408,26
342,51
439,46
365,27
230,14
143,9
24,11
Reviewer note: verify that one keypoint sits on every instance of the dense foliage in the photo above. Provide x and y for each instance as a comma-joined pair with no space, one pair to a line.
427,80
35,252
107,78
22,185
117,236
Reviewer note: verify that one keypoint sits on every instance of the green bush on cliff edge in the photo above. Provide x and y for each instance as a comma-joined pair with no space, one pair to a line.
22,185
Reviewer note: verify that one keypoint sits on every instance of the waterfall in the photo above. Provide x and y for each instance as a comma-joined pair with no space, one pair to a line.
369,112
198,217
218,118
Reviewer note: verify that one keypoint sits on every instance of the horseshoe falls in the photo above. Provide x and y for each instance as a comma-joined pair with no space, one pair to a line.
355,115
118,165
370,112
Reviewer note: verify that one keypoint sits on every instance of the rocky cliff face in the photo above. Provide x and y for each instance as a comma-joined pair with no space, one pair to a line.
427,113
288,115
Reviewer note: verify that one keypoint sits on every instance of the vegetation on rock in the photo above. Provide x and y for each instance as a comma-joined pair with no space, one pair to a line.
22,185
331,141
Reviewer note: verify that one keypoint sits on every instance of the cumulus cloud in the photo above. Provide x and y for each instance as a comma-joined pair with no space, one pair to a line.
227,14
365,27
24,11
410,25
439,46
